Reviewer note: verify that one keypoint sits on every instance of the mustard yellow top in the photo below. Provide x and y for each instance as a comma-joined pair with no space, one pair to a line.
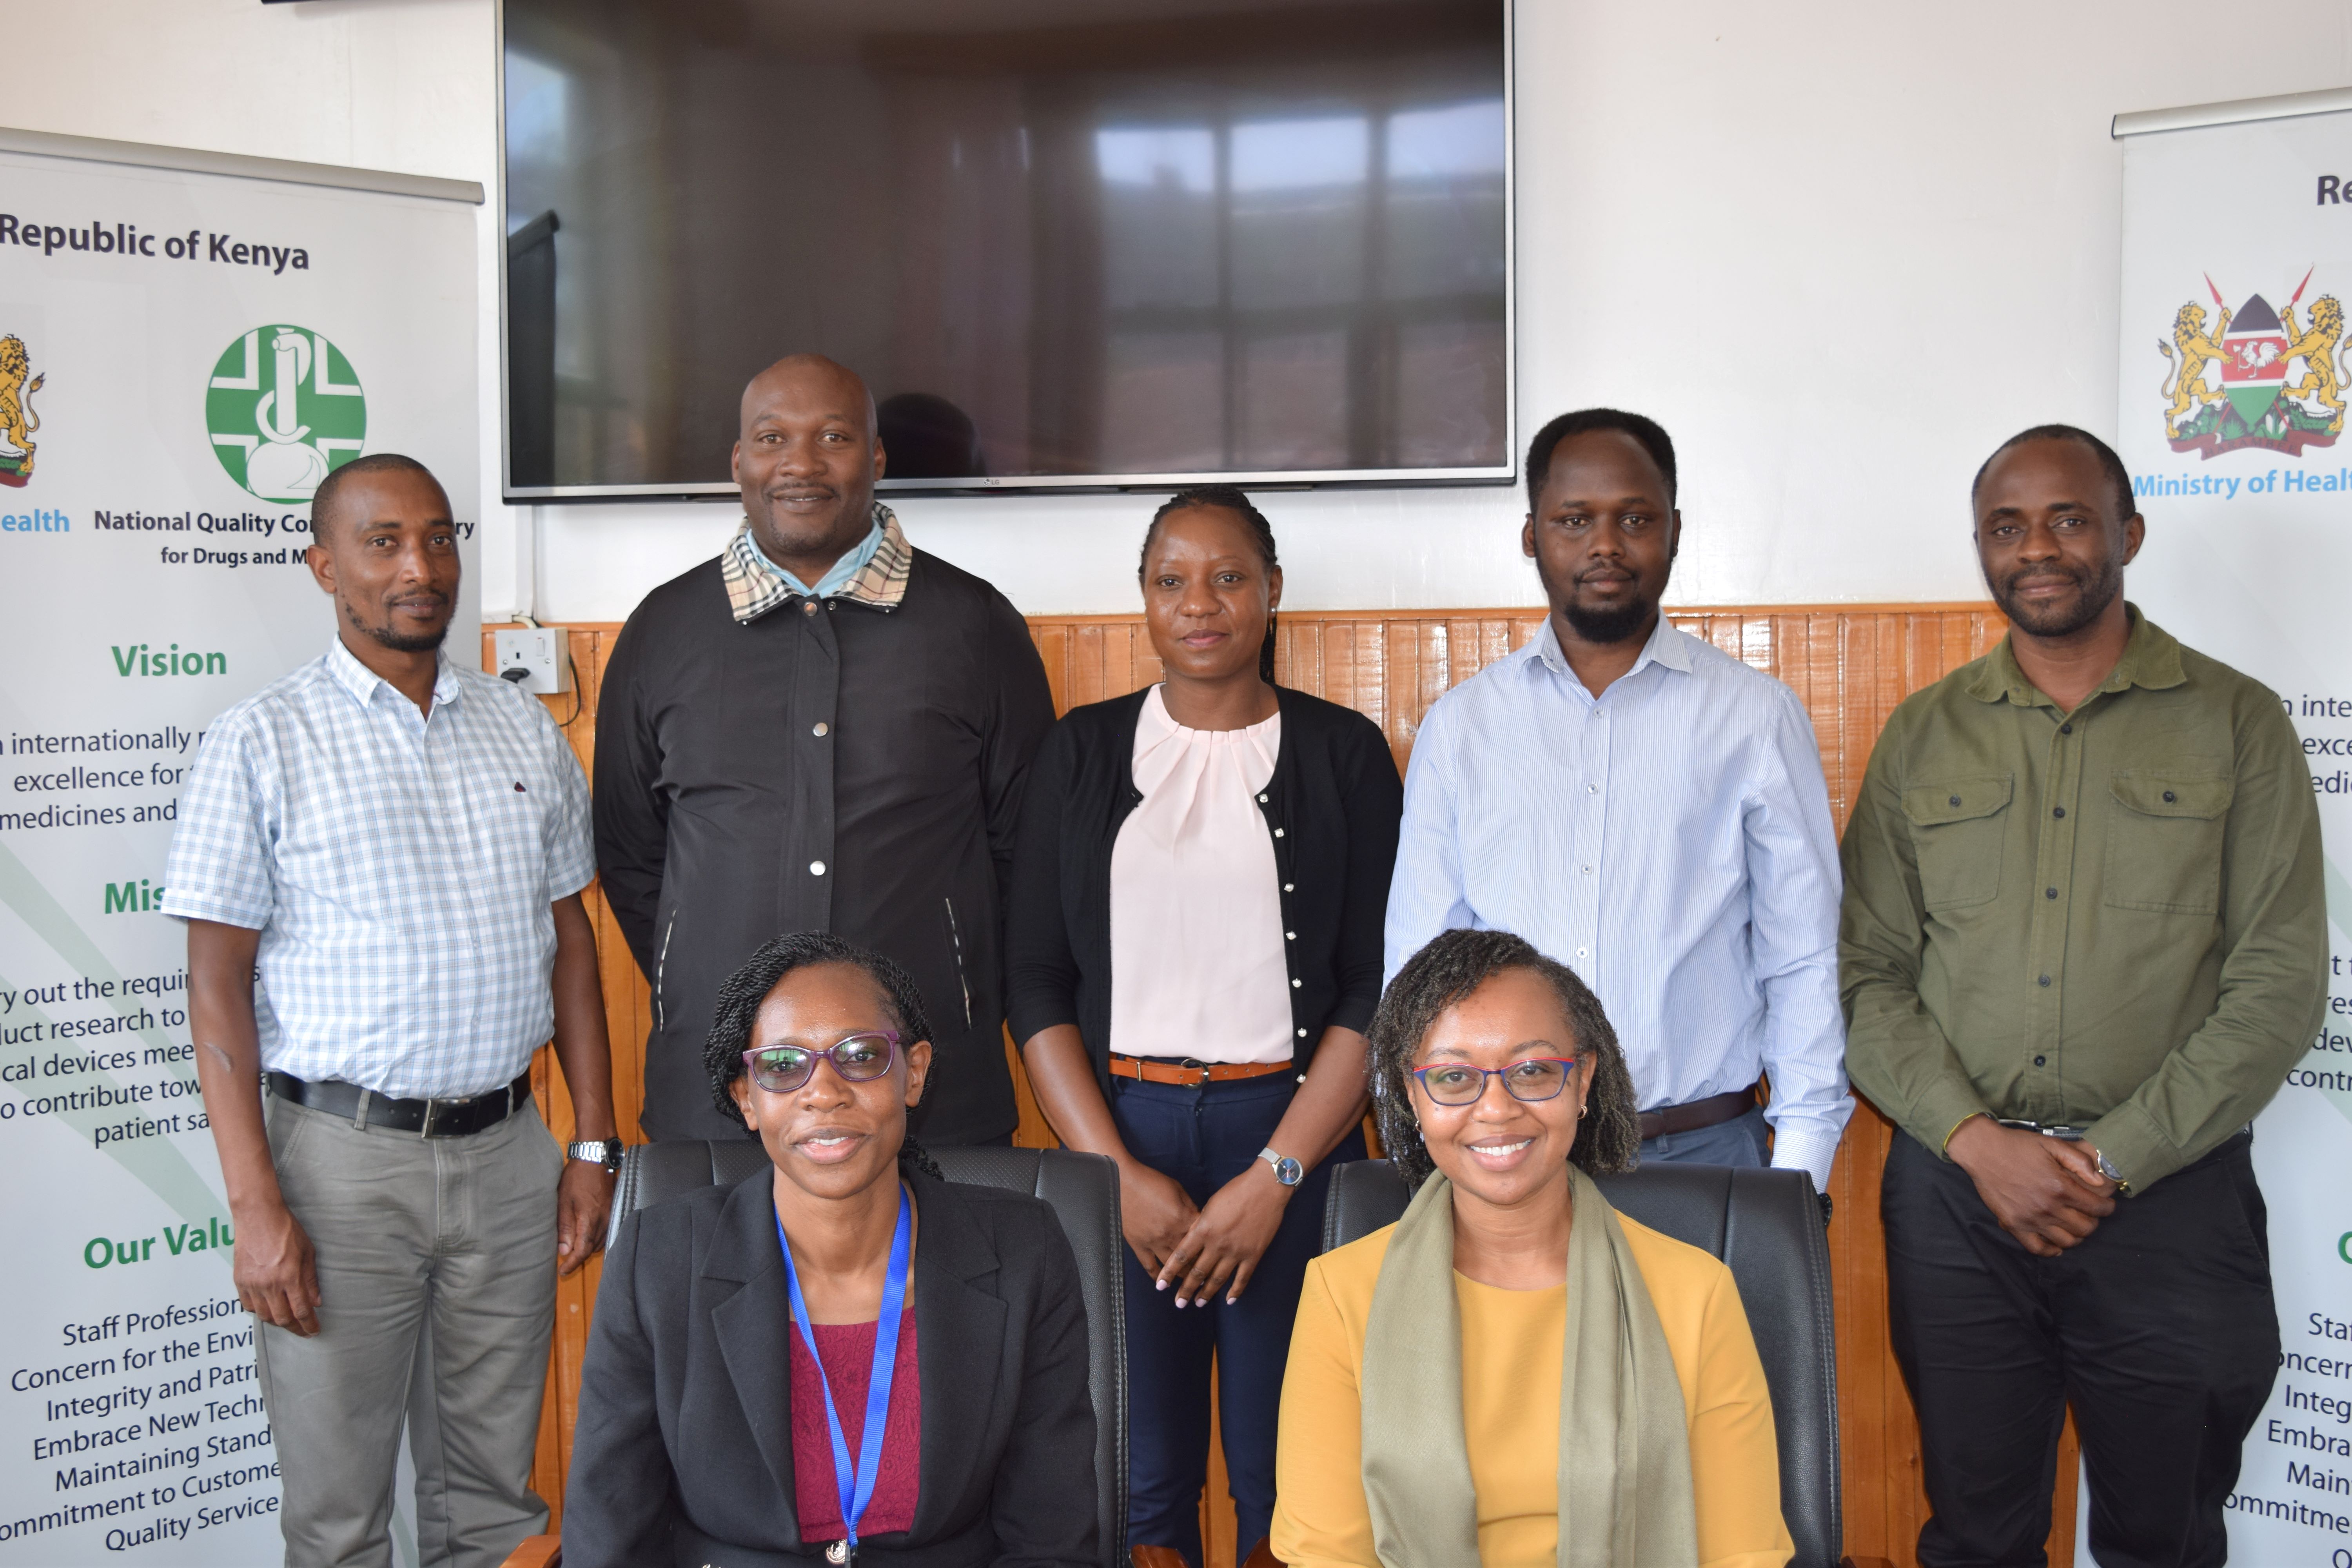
1511,1347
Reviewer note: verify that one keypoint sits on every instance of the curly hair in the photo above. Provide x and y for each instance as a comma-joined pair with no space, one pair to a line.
1452,965
738,1006
1232,498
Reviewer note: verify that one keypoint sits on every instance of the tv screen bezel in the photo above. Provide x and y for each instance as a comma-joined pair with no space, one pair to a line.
1505,473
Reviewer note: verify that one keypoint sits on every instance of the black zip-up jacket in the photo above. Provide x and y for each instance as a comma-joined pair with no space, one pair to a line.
833,765
1332,807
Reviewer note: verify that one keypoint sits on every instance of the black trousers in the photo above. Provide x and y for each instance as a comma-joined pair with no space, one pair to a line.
2160,1329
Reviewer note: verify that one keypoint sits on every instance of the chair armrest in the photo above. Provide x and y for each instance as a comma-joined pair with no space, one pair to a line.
539,1551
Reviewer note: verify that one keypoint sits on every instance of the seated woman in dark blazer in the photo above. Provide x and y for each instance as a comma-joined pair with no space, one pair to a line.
1192,951
943,1418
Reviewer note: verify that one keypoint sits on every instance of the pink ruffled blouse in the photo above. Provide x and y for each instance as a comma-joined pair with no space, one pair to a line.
1196,944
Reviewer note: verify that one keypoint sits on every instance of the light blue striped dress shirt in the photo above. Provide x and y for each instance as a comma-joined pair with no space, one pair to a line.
400,871
1670,842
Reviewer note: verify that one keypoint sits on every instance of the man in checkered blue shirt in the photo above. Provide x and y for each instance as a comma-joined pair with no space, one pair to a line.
379,859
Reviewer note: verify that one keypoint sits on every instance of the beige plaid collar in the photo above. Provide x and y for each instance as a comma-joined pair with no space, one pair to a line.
754,587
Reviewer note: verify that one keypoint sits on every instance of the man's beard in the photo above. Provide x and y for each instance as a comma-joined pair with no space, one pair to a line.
2097,591
401,642
1606,626
1599,627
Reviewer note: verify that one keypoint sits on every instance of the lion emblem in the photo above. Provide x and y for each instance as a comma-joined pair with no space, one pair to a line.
2186,383
17,420
2318,348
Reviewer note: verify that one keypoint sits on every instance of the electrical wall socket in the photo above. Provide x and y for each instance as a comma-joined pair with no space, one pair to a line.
545,652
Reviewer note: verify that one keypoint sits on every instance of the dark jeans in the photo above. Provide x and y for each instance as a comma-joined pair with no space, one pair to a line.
1744,1140
1203,1138
2160,1329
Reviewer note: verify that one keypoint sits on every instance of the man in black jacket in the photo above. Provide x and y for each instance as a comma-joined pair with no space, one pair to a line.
823,728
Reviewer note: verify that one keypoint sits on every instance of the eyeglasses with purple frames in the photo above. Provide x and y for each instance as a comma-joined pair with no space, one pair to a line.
1530,1078
859,1059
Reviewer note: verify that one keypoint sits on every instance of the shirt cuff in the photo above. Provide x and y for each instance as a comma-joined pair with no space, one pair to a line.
186,906
1810,1148
1936,1113
2135,1146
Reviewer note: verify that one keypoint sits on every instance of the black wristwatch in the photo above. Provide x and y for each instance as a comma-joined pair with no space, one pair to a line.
606,1154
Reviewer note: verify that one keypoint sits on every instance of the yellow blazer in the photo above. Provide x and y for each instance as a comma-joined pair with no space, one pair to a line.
1511,1346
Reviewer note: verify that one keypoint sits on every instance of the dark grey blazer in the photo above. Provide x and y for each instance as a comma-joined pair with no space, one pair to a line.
682,1452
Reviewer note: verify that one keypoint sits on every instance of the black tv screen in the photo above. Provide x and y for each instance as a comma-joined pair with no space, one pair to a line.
1066,242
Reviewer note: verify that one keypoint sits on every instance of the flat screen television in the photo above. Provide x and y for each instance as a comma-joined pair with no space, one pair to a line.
1068,243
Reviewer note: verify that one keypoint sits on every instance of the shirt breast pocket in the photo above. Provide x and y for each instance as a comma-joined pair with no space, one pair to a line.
1955,832
515,825
2164,842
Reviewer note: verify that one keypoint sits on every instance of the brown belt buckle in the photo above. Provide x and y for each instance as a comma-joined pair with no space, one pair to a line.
1191,1065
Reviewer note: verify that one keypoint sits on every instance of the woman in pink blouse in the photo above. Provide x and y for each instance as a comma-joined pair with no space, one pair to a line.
1192,952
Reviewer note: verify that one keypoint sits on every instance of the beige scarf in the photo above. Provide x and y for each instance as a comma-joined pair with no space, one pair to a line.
1625,1498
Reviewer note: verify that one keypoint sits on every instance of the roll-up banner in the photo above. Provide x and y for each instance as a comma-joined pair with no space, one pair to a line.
2237,267
188,344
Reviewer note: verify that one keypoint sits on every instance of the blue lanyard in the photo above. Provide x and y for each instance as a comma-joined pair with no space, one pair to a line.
857,1486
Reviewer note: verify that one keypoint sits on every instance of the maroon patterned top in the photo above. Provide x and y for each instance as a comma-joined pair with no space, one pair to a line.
848,1352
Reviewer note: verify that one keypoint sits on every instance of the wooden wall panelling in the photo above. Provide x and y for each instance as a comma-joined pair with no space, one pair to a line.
1850,665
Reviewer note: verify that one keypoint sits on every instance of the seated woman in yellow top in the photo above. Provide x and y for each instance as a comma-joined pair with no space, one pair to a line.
1514,1374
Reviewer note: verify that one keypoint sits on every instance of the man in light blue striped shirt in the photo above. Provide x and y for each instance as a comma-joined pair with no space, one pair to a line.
379,859
1650,812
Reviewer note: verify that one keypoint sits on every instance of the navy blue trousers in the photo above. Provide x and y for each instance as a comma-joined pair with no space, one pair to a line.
1203,1138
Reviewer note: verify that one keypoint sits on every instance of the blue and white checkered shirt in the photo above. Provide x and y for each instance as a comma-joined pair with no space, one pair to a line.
400,872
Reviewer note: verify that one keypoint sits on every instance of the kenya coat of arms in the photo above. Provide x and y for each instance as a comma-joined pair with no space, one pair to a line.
17,420
2233,381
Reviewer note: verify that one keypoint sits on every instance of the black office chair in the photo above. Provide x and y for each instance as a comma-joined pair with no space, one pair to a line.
1767,1225
1084,1190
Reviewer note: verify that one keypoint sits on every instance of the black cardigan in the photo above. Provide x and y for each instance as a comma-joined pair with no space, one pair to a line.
1332,807
683,1454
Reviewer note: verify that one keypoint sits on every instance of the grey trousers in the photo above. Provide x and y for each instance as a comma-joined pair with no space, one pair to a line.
445,1243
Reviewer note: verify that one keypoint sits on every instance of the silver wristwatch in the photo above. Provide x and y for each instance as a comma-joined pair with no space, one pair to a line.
1286,1170
606,1152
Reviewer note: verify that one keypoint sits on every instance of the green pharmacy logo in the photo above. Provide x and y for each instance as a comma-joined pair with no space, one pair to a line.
284,409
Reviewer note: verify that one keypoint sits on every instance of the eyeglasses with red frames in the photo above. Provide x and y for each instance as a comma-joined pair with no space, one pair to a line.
1530,1078
859,1059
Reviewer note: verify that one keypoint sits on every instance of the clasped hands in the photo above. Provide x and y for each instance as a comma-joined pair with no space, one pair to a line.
1198,1251
2047,1192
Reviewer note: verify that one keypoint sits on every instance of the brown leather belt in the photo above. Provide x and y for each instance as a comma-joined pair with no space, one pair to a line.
1188,1072
1713,1112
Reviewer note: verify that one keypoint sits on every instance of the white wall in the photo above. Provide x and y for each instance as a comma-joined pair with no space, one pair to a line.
1840,247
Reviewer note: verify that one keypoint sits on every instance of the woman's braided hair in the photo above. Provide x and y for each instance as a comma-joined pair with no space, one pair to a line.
738,1006
1232,498
1452,965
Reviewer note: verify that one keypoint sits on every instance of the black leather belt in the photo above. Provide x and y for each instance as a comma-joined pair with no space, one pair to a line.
1713,1112
425,1118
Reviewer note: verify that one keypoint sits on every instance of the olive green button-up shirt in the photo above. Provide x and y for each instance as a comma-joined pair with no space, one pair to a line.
2111,919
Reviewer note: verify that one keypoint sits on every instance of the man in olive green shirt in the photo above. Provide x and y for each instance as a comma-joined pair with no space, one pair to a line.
2082,942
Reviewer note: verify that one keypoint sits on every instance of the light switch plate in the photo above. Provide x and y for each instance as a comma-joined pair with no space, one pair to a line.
544,652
